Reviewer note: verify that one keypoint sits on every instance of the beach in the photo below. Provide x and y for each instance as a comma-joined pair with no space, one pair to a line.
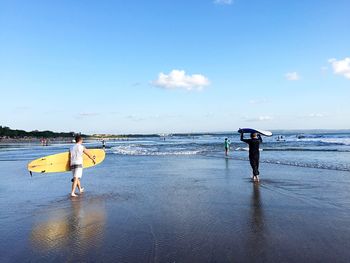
182,104
171,111
175,208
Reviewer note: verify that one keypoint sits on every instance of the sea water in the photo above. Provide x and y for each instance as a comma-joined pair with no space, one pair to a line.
180,200
314,149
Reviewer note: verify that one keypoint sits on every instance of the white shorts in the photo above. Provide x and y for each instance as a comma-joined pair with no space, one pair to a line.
77,172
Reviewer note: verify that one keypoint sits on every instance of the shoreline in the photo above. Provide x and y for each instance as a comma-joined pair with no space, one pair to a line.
62,139
33,140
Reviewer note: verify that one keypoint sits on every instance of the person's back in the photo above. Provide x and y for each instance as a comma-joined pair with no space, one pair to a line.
254,145
254,152
76,154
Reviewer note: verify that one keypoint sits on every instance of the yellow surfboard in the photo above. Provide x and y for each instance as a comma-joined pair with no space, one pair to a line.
58,163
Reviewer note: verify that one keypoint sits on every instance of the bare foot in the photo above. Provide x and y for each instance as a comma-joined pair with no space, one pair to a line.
82,190
73,195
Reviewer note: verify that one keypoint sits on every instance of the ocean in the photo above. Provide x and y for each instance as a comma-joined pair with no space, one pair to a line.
310,148
180,200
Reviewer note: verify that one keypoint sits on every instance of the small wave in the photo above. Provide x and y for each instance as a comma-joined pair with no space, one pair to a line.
134,150
325,166
157,153
246,149
242,149
337,141
296,149
311,165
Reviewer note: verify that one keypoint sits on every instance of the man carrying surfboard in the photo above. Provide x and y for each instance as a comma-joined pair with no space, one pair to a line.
254,153
76,163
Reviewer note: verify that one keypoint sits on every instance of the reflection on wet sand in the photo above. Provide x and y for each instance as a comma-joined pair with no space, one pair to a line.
226,164
257,242
79,227
257,213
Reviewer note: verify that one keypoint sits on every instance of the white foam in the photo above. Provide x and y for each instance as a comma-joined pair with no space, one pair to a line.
138,150
246,149
344,141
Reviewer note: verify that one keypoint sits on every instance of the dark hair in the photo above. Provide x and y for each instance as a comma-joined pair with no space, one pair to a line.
254,134
78,138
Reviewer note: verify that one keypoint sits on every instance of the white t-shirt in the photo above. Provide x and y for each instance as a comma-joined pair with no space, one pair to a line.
76,154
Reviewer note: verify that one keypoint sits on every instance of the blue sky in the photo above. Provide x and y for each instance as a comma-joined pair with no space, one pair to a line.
174,66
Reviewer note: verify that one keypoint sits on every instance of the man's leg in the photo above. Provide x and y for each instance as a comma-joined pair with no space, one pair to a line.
256,167
252,164
74,185
81,189
78,184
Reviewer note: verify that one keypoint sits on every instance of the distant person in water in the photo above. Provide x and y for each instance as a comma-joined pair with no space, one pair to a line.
254,153
227,146
103,144
76,163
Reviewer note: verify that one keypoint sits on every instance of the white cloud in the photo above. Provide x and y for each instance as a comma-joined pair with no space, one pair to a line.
135,117
341,67
258,101
260,118
265,118
315,115
86,115
223,2
178,79
292,76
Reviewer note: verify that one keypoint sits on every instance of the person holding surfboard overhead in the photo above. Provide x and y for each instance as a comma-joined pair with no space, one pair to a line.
254,153
76,163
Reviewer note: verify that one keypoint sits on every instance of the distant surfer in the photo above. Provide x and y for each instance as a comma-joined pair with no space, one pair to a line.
103,144
227,146
76,163
254,154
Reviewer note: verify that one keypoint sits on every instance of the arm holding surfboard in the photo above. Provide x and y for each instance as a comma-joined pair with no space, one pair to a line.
88,154
242,139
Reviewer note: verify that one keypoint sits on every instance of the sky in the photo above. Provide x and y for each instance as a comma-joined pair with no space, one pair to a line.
165,66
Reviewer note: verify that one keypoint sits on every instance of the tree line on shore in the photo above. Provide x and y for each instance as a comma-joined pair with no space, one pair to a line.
10,133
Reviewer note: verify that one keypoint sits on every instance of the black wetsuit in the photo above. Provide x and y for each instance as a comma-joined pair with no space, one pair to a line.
254,153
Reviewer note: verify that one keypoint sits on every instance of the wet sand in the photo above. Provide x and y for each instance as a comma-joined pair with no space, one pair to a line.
175,209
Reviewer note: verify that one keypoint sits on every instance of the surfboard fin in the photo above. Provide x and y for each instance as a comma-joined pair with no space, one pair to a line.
31,174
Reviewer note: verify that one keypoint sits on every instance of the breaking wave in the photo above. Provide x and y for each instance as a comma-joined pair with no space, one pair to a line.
151,151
